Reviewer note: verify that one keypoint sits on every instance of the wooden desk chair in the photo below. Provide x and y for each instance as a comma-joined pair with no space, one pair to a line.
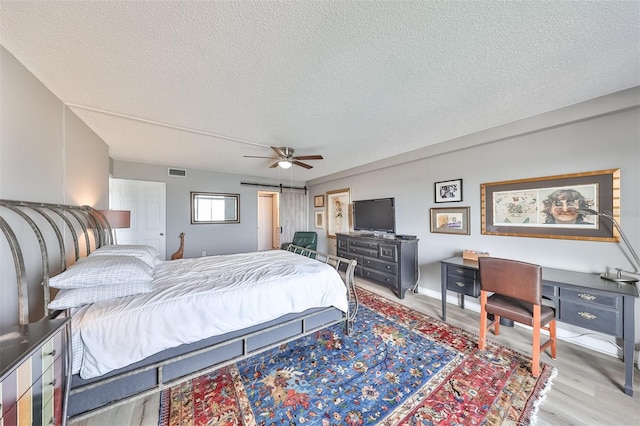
517,295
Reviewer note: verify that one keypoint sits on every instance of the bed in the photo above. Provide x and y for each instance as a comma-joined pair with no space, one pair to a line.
140,324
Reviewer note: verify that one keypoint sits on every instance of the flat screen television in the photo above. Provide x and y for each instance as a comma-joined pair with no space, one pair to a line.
377,215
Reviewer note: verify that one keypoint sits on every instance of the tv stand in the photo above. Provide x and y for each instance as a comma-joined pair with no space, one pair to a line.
388,260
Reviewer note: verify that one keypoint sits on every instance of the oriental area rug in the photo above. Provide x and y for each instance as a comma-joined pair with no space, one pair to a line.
399,367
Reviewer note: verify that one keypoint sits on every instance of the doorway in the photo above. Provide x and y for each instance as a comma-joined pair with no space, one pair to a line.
268,221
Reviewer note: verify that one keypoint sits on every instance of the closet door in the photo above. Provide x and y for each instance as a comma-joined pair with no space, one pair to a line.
147,203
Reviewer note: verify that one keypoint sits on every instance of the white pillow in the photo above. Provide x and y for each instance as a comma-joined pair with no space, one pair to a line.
103,270
147,254
76,297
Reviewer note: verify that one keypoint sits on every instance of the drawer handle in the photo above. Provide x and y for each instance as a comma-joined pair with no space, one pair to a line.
586,296
388,267
587,315
53,383
52,353
459,284
460,271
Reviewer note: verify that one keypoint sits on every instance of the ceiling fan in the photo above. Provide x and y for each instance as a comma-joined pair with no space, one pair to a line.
285,158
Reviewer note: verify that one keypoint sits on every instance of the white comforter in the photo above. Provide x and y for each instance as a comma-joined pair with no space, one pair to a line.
199,298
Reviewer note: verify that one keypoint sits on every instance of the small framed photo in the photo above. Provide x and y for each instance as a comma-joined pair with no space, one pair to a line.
319,219
450,220
318,201
448,191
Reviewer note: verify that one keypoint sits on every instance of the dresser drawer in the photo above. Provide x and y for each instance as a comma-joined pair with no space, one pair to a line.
388,252
343,244
389,279
363,251
363,244
460,284
585,296
591,316
353,256
381,265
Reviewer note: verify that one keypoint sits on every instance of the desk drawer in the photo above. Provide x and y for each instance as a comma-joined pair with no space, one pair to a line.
462,272
591,316
590,297
381,265
459,284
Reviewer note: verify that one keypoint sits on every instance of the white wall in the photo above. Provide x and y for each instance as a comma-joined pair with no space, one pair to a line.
598,135
48,155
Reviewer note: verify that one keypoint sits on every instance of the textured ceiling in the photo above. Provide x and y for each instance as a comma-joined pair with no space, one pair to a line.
200,84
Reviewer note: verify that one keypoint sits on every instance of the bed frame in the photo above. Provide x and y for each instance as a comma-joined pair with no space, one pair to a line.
76,230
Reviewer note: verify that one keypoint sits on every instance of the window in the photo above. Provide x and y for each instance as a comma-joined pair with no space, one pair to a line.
208,207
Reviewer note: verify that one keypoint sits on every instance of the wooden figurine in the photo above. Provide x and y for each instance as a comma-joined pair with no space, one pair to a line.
180,252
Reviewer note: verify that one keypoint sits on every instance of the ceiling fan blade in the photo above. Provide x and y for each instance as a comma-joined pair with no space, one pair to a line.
274,165
256,156
308,157
279,151
297,163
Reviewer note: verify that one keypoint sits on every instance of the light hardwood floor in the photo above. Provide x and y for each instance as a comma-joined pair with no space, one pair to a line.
586,391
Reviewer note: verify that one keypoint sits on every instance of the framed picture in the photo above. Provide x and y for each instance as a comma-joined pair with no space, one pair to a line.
553,206
318,201
450,220
319,219
448,191
338,217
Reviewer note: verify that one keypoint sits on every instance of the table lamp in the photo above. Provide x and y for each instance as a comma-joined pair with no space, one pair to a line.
118,219
618,275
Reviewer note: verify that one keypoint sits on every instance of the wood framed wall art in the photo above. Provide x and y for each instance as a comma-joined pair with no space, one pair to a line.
553,206
338,217
450,220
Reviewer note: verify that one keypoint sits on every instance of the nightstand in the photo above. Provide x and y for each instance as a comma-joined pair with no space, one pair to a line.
33,371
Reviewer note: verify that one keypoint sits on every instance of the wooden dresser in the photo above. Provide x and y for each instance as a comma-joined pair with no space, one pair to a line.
33,370
392,262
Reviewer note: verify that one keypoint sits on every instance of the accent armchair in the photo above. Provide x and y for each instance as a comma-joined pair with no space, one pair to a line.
307,240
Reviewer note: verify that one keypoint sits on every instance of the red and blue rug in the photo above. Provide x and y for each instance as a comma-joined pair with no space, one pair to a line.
398,367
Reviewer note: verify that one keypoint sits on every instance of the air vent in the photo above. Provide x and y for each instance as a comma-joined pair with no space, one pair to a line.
178,172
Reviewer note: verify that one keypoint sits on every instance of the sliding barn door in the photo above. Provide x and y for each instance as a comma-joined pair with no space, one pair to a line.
293,214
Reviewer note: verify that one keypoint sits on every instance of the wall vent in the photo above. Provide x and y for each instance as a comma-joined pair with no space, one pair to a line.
177,172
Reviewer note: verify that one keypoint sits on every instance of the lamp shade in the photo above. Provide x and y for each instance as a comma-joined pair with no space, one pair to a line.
117,219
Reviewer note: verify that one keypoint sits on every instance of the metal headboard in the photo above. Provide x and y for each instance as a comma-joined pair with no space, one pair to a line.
87,219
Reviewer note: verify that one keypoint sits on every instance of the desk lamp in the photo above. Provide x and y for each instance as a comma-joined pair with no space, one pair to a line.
618,275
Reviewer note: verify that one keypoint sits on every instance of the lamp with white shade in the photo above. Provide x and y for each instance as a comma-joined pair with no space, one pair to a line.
117,219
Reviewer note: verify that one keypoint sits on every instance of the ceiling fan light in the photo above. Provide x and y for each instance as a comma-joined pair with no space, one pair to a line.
285,164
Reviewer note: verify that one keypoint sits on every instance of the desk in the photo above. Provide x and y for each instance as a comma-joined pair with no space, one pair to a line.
581,299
